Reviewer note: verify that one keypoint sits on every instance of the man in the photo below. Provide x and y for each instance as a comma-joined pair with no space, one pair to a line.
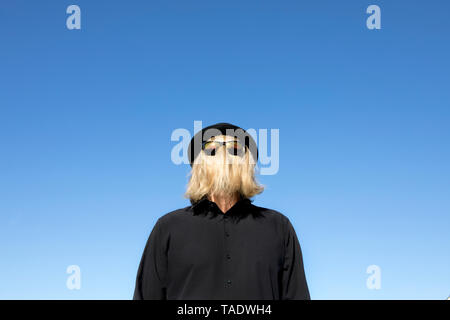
222,246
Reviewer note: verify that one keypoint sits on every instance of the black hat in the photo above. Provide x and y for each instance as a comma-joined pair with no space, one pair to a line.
195,146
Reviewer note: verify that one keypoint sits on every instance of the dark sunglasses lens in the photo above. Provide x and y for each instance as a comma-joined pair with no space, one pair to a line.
210,151
210,148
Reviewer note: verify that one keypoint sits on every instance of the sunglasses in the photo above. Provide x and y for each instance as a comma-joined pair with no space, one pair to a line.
234,148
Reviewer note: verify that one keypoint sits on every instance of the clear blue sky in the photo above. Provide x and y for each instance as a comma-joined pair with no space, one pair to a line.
86,117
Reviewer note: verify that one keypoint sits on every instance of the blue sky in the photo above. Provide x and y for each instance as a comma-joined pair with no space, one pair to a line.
363,115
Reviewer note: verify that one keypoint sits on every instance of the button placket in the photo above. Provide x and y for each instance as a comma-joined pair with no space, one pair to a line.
227,257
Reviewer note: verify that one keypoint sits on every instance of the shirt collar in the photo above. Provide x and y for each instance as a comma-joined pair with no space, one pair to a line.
204,205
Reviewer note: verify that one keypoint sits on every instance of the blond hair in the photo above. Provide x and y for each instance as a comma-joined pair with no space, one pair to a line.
222,174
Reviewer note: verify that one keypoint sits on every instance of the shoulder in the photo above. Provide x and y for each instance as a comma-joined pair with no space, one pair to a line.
174,217
273,214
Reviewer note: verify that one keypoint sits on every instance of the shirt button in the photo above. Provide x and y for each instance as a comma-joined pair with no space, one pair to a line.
227,234
228,281
228,257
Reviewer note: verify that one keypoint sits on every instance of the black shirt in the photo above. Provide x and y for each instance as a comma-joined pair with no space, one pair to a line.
201,253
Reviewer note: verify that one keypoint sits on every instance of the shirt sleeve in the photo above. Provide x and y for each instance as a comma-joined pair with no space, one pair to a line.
151,275
293,280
